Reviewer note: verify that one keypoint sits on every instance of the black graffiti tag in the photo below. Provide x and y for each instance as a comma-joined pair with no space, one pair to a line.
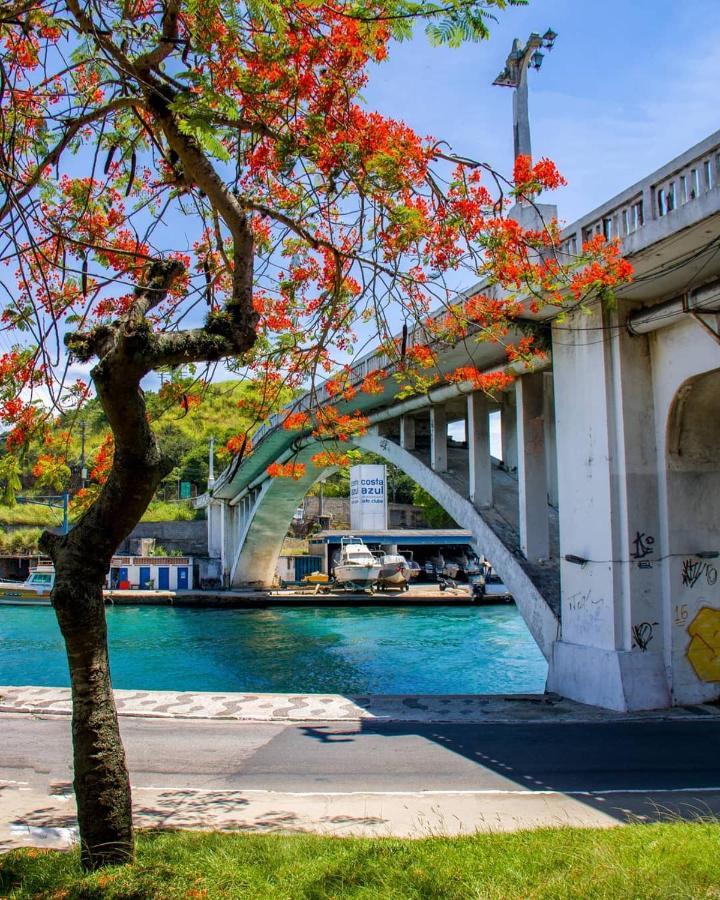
643,634
643,544
693,570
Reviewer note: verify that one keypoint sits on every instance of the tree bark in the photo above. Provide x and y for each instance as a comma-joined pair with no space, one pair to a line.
102,783
82,559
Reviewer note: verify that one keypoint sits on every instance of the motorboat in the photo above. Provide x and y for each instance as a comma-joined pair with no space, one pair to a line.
357,567
494,590
414,569
469,565
395,571
34,591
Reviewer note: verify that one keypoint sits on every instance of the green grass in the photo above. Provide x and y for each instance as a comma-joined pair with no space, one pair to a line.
27,514
675,860
161,511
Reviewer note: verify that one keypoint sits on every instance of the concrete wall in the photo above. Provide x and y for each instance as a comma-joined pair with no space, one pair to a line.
190,538
686,365
639,480
400,515
336,507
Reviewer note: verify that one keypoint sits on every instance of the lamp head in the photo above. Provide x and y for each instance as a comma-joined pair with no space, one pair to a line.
549,38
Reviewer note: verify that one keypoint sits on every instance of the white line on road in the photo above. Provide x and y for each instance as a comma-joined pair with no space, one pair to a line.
455,793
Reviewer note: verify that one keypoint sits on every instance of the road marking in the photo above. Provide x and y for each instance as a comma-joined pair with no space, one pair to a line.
451,793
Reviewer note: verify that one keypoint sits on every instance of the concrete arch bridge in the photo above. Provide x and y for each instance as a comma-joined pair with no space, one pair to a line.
604,515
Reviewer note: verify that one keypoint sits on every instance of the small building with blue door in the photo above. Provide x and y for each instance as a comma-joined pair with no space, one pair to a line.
295,567
159,573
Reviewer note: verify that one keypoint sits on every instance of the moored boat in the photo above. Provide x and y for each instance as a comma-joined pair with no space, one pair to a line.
34,591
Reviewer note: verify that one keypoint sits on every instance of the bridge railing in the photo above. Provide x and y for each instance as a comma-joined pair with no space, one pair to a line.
683,183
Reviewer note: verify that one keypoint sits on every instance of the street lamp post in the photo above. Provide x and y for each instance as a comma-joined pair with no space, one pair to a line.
514,75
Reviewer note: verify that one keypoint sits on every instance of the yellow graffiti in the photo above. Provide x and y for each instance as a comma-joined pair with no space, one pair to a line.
704,650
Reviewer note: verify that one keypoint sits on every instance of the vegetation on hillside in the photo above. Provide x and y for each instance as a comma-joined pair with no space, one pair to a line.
222,413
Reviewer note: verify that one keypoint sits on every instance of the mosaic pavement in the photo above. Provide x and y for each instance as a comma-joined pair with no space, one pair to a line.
333,707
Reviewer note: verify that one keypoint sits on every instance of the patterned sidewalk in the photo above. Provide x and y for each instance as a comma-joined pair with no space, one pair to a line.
335,707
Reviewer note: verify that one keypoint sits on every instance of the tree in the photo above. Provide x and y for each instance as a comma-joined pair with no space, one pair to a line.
435,515
186,183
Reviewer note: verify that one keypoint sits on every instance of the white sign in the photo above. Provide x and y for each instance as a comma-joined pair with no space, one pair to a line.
368,498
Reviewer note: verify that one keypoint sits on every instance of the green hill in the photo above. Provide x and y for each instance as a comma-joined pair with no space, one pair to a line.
185,418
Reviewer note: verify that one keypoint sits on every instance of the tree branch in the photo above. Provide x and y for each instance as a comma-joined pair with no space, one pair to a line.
54,155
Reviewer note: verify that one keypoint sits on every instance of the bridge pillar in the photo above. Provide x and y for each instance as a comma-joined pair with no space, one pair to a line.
508,431
215,538
611,648
532,480
550,439
407,432
438,439
478,437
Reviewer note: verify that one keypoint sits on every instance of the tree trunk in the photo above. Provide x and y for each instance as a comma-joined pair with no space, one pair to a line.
102,783
127,350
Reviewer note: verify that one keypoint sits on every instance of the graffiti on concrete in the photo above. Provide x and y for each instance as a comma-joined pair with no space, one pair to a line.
644,545
703,652
581,599
694,569
643,634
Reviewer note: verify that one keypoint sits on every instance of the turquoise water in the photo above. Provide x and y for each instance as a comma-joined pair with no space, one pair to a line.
404,650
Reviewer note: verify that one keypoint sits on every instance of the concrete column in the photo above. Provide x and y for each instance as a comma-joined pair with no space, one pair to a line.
608,512
438,439
214,525
478,438
224,562
521,117
532,481
550,439
508,431
407,432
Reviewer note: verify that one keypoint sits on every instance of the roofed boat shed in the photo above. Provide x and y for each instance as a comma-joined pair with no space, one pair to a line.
420,544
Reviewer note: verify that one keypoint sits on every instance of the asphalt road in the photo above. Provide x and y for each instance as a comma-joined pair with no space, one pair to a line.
373,778
649,755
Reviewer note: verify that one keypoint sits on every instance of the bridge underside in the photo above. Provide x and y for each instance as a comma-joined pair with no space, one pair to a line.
256,525
503,519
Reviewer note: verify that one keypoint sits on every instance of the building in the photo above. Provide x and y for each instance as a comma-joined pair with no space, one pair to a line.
162,573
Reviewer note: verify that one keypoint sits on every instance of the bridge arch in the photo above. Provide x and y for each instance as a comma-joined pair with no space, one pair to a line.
693,533
255,548
259,544
539,617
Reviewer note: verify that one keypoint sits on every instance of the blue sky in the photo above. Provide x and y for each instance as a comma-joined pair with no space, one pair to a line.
628,86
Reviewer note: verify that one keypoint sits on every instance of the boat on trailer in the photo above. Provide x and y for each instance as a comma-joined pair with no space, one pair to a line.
357,567
395,571
34,591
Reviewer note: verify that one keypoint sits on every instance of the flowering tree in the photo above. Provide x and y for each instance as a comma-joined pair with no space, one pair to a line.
185,183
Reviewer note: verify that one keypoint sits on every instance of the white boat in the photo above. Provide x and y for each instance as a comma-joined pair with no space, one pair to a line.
494,590
395,571
357,566
35,591
414,569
